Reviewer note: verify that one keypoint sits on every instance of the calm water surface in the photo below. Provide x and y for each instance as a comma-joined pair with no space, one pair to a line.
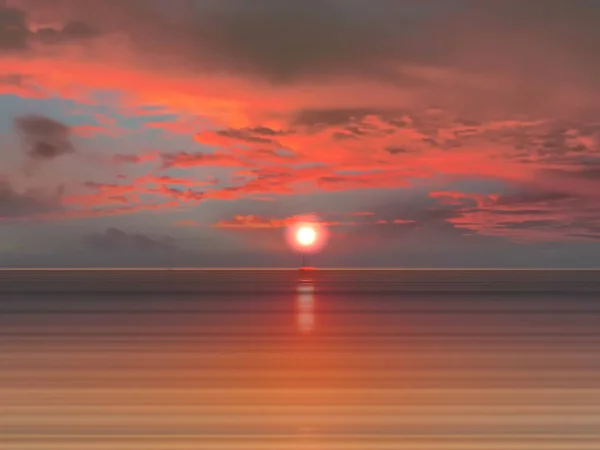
197,359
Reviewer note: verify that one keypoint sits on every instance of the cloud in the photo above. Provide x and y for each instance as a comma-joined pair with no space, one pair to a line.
278,41
253,136
328,96
105,194
133,158
21,85
252,221
116,240
328,117
15,205
14,33
18,34
400,53
439,51
149,191
463,199
45,138
186,160
13,79
526,216
70,31
410,220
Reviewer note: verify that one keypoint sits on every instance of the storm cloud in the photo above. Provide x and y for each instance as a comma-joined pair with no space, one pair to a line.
44,138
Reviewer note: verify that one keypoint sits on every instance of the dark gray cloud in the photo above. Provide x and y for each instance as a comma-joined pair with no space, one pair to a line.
532,197
116,240
22,204
528,215
274,39
71,31
245,135
396,150
523,214
264,131
45,138
337,116
14,33
482,56
279,41
285,39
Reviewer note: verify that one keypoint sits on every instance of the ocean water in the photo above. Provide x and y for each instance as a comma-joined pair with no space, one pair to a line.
282,360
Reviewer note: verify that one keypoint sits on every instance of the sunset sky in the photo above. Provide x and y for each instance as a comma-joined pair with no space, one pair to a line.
439,133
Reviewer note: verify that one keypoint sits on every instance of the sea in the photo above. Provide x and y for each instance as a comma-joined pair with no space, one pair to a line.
184,359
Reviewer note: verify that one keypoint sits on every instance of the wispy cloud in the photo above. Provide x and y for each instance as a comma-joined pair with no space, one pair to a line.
220,102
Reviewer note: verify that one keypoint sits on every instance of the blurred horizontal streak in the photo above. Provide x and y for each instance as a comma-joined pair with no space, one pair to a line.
324,425
120,362
182,281
300,442
254,410
195,396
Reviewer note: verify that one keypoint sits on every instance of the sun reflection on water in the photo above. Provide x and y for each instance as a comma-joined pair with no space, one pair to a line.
305,306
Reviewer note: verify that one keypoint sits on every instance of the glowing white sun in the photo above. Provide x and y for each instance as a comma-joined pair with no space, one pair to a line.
306,236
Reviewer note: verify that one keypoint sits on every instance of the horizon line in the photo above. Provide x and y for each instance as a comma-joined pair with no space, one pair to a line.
7,269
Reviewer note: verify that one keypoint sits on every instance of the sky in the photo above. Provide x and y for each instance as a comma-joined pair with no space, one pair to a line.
439,133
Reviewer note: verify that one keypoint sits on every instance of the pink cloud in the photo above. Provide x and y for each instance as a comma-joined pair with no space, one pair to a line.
357,119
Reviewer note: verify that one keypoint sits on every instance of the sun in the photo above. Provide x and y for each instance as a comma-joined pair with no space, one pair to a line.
306,235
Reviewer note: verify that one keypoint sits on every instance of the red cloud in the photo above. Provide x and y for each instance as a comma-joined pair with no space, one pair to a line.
252,221
168,180
383,149
162,188
293,132
527,216
185,195
186,160
104,195
459,198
